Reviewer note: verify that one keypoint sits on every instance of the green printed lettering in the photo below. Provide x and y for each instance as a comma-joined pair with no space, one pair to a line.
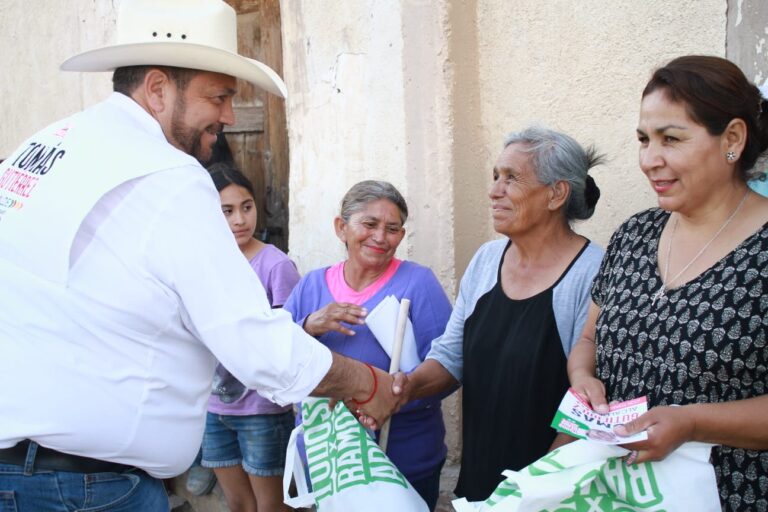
314,413
643,490
340,453
546,464
503,490
348,476
615,487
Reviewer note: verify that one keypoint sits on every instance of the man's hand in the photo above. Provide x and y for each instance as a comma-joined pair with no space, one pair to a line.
365,389
401,393
374,414
352,381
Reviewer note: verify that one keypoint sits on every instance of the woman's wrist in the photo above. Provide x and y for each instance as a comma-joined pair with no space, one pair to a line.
415,383
697,414
579,374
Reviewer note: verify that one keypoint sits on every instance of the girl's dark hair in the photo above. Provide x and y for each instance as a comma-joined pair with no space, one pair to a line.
225,174
221,152
714,92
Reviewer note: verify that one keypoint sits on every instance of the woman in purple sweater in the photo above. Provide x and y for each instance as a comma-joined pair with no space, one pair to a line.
331,303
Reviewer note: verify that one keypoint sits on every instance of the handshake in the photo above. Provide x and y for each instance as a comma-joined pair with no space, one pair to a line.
388,395
373,395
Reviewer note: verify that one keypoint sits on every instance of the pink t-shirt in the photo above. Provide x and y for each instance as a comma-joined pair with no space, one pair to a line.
342,292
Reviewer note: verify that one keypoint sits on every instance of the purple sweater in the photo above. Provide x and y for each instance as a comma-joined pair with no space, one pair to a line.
278,274
416,434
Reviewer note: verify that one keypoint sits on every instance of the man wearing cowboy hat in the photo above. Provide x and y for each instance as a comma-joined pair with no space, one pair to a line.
120,283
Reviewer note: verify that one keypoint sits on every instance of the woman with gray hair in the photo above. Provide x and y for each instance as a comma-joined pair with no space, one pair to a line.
331,303
521,306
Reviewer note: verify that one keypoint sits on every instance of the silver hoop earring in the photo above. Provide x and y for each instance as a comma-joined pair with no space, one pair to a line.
730,156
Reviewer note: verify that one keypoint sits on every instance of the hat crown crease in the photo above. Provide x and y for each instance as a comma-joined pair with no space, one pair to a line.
202,22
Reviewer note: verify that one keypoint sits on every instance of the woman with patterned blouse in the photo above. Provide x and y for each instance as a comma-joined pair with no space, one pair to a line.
680,305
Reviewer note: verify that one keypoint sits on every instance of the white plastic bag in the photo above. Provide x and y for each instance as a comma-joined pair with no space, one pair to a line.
584,476
348,470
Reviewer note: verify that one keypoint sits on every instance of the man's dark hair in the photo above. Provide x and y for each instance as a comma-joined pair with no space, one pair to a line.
126,79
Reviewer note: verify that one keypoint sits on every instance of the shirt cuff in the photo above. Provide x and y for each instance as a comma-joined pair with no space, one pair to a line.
307,378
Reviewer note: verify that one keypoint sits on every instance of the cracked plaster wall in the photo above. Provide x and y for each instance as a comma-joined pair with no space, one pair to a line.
366,102
421,93
747,35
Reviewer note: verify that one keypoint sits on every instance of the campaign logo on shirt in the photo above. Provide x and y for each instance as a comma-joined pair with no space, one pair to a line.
9,203
27,167
60,173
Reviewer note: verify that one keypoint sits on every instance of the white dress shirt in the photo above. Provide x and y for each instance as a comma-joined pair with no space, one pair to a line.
112,357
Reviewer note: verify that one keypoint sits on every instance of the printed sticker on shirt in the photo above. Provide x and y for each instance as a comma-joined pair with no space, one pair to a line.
21,173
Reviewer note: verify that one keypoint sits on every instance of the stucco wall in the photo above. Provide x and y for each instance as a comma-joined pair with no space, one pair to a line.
417,92
580,67
366,102
37,37
421,93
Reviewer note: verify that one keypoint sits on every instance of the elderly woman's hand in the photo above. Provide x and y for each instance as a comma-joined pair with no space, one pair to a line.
333,316
667,427
401,388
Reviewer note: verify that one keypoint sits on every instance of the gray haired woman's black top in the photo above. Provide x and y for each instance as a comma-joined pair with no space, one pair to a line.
510,355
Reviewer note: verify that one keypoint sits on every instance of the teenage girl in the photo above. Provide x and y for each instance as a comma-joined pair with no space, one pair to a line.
245,434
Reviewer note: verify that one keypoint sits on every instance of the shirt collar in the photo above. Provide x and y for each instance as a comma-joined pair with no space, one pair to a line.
138,114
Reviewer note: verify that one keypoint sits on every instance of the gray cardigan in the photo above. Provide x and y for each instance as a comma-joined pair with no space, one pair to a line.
570,297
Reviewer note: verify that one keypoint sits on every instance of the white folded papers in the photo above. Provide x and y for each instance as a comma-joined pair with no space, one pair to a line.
383,321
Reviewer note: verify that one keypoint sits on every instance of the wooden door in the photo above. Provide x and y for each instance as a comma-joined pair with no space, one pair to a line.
259,138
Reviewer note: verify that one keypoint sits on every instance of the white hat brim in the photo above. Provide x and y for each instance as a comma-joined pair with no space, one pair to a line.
182,55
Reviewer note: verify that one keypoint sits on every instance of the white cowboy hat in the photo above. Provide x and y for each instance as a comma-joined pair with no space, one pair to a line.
193,34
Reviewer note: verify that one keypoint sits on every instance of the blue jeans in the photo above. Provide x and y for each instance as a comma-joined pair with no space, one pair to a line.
26,489
257,442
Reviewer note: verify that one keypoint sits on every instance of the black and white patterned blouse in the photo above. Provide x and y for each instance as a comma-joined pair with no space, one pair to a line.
702,342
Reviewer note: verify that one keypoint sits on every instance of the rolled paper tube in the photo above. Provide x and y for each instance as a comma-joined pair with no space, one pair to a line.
394,365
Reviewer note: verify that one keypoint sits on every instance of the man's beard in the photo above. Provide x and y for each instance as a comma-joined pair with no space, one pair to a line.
189,138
